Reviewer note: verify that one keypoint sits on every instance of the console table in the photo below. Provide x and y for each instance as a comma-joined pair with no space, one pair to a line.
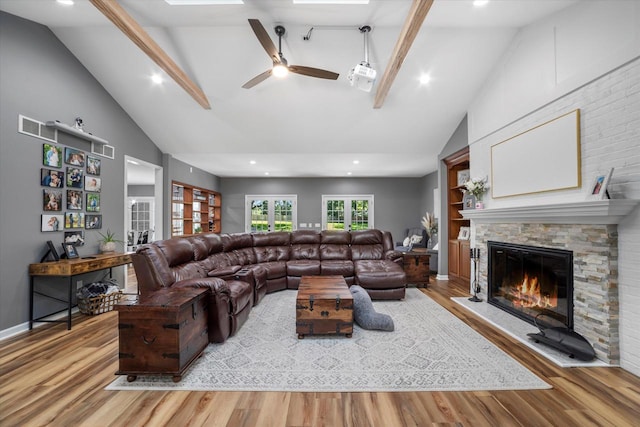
69,268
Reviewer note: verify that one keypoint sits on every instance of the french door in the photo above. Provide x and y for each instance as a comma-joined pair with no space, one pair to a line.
271,213
353,212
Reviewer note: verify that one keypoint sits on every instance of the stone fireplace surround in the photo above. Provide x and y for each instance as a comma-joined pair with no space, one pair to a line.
588,229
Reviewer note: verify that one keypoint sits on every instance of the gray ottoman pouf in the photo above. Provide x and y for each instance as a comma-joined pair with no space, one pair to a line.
365,315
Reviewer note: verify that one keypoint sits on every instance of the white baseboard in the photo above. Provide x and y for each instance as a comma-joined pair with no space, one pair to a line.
442,277
24,327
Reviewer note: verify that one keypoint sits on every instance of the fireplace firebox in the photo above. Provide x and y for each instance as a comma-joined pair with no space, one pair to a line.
532,283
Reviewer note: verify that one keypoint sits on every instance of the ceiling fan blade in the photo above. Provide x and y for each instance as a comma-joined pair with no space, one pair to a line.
265,40
257,79
313,72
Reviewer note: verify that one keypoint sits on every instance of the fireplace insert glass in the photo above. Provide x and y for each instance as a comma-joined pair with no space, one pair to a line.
532,283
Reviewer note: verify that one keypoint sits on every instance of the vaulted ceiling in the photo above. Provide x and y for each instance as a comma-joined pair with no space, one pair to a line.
298,126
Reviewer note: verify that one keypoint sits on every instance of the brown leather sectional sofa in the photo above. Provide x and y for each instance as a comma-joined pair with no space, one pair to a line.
241,268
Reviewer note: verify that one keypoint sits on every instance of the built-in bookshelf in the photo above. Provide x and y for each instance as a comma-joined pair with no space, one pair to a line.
458,249
194,210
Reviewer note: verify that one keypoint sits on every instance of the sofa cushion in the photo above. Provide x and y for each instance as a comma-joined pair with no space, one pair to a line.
379,274
335,237
236,241
275,269
241,294
304,267
271,253
336,268
176,251
366,244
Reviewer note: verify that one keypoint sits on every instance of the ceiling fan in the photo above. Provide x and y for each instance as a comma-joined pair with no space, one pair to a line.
280,65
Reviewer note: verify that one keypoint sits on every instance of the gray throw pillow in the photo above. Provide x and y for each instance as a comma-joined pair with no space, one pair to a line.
365,315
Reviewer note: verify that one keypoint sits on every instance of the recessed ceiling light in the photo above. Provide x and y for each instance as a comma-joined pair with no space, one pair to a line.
66,2
355,162
348,173
253,162
425,79
202,2
266,173
480,3
330,1
156,78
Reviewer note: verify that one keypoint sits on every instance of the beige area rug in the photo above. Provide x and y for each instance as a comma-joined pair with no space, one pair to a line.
430,350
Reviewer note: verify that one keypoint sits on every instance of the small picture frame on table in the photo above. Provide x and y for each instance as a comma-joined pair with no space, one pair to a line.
464,234
70,251
598,189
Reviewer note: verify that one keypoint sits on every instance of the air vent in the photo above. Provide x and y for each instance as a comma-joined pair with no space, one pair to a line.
103,150
35,128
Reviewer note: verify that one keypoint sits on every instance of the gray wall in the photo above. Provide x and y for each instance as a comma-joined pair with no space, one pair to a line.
398,201
41,79
459,140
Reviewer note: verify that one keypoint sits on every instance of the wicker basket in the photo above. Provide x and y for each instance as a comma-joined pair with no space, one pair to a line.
100,304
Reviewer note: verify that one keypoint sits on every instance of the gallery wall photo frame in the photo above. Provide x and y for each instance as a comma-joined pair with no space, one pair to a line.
541,159
75,237
51,199
93,222
463,176
598,190
94,165
92,183
74,157
52,155
51,178
75,177
73,220
93,202
50,222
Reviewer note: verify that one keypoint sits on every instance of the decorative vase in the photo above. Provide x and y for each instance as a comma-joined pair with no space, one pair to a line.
106,247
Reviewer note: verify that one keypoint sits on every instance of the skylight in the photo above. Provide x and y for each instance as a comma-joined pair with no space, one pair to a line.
202,2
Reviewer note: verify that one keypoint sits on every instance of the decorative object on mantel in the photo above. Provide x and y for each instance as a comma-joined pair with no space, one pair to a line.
108,241
475,257
598,190
476,187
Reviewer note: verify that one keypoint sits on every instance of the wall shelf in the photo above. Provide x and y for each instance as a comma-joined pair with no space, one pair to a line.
76,132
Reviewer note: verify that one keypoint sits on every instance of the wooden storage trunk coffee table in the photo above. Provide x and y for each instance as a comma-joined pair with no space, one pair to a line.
162,333
324,305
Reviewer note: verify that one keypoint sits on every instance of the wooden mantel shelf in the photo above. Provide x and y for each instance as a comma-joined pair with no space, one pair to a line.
586,212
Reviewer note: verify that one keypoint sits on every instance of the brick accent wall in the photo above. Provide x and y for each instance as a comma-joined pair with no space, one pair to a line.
595,273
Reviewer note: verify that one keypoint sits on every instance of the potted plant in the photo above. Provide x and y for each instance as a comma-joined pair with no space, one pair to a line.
108,241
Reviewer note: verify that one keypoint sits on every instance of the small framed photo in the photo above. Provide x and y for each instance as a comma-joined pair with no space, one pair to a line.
93,222
51,249
91,183
93,166
464,234
75,238
51,155
51,178
51,200
70,251
74,220
468,201
73,157
74,200
598,189
51,222
93,202
463,176
75,177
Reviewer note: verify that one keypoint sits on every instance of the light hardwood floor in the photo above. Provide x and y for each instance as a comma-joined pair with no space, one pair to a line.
51,376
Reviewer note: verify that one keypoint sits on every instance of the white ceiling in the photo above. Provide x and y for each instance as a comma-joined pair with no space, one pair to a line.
299,126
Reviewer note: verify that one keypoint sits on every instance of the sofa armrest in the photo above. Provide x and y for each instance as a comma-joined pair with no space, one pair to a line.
217,285
395,256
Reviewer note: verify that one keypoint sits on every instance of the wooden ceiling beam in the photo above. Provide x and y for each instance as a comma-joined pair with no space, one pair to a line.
130,27
415,18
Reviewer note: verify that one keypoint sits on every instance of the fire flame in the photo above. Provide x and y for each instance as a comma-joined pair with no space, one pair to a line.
528,294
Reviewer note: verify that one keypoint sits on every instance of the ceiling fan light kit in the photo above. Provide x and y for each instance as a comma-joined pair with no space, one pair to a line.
280,66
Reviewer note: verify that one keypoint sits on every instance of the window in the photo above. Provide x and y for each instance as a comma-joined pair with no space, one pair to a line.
347,212
270,213
141,218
